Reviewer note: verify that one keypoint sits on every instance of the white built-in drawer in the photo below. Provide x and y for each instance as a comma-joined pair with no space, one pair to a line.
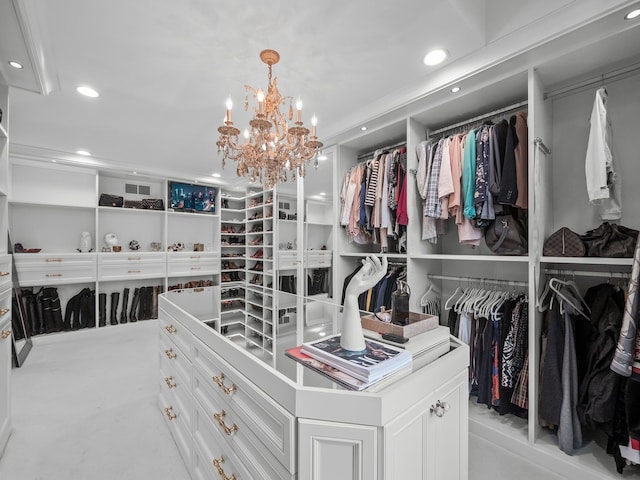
122,265
211,458
51,269
177,361
317,258
218,385
176,334
5,272
287,259
174,413
5,304
193,263
241,455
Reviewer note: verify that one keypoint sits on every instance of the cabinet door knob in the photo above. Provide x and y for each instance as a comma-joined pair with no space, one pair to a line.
220,418
5,334
170,329
219,380
440,408
170,384
169,353
168,411
4,274
217,462
4,311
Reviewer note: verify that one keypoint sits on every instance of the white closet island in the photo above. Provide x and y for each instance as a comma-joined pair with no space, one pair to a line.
232,414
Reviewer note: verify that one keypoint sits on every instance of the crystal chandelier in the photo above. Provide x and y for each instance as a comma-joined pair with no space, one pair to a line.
272,146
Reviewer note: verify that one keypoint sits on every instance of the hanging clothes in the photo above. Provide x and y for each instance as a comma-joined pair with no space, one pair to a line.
603,187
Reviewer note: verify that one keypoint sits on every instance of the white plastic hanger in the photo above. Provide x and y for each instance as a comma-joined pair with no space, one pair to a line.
557,285
447,304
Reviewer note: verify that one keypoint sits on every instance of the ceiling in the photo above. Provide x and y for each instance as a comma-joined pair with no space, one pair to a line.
164,68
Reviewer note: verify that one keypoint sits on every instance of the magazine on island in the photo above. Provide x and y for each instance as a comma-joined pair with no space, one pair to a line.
375,361
342,378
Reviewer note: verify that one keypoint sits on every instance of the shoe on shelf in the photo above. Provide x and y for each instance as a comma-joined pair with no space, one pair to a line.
225,277
257,241
233,265
258,254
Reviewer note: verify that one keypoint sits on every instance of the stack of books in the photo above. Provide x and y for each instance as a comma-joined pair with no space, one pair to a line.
424,347
378,364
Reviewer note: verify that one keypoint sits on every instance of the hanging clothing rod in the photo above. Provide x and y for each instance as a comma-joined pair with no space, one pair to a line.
540,144
514,283
362,156
470,121
595,81
584,273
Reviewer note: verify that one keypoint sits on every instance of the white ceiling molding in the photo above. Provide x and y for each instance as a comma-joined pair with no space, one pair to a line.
37,45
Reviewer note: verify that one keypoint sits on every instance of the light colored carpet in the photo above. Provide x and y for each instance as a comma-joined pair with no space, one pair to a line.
85,408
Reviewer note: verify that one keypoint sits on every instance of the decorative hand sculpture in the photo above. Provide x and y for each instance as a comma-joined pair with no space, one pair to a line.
372,271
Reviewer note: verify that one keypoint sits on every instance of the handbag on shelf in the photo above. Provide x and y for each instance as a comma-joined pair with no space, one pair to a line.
564,243
610,240
108,200
153,203
507,235
133,204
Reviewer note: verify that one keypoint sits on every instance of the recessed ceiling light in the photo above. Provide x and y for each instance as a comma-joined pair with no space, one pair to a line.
435,57
217,175
16,65
54,161
323,193
84,153
363,128
455,89
632,14
87,91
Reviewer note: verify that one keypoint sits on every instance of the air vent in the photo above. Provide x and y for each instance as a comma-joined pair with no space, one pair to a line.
134,189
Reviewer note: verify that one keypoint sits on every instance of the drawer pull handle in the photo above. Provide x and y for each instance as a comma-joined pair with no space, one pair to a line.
169,413
4,311
440,408
217,463
53,260
170,355
170,329
53,275
219,380
133,258
133,271
220,418
167,380
195,256
5,334
195,268
4,274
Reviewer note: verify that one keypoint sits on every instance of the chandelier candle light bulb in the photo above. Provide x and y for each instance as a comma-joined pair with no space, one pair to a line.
274,149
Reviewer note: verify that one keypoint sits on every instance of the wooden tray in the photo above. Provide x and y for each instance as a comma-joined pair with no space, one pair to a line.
418,323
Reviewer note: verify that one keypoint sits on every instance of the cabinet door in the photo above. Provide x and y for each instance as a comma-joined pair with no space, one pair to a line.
5,372
333,451
448,431
430,440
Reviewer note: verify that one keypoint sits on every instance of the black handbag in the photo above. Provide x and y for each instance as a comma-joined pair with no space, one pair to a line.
108,200
153,203
610,240
507,235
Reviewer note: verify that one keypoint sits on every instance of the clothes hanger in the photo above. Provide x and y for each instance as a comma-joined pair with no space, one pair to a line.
447,304
544,296
556,285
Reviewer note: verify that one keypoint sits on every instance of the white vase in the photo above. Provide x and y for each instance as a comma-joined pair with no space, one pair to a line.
85,242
